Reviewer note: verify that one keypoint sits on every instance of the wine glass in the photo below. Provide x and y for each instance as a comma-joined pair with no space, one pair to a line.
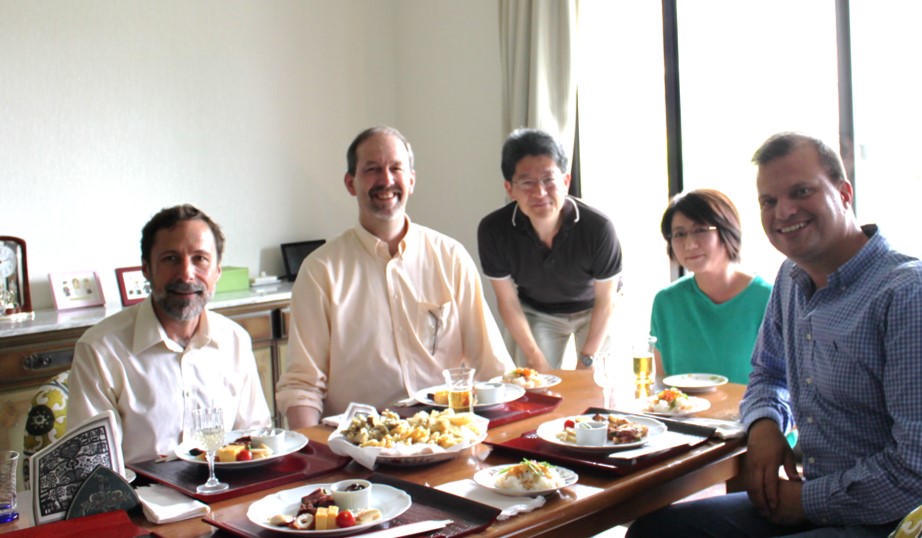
208,430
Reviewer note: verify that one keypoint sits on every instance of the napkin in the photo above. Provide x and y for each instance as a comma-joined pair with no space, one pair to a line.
333,420
723,429
510,506
164,505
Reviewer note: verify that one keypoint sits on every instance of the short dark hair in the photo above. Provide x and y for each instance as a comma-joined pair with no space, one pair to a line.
709,207
782,144
169,217
352,157
525,142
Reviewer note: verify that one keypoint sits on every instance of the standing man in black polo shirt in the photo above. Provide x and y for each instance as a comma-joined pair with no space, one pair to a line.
554,262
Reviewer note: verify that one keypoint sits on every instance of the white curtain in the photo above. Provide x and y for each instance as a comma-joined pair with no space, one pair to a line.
538,46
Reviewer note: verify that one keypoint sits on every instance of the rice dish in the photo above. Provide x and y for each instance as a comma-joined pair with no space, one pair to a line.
526,378
671,400
529,475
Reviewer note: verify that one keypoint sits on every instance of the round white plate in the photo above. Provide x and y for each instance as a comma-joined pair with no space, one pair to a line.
512,393
698,404
391,501
695,382
130,476
487,478
549,381
294,442
549,430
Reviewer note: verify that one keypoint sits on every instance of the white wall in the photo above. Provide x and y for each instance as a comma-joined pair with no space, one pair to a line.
113,109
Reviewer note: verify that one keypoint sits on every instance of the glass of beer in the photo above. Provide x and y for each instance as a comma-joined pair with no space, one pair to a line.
643,361
460,385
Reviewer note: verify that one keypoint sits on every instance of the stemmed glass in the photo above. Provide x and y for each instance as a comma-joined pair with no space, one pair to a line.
208,429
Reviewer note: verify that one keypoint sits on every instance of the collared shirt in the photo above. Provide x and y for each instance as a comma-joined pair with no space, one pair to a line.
843,363
126,363
556,280
374,329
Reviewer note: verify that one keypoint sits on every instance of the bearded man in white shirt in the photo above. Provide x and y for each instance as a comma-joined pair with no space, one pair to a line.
380,311
155,362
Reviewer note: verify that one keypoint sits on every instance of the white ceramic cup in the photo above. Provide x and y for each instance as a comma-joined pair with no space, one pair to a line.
352,495
489,393
274,438
591,433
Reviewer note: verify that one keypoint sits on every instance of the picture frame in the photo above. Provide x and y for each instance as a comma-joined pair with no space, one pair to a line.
132,285
77,289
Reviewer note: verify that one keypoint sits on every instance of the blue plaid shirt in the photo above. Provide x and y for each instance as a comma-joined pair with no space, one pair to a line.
844,363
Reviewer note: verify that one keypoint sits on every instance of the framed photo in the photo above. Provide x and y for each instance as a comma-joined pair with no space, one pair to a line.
76,290
132,285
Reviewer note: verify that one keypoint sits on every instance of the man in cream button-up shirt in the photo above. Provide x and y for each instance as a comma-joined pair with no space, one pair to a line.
380,311
155,362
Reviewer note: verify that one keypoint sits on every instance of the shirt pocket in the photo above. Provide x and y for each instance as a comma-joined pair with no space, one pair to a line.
433,326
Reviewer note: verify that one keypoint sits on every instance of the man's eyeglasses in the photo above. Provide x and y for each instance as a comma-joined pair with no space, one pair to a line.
529,185
697,233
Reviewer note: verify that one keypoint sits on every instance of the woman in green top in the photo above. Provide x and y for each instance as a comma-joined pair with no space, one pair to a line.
707,322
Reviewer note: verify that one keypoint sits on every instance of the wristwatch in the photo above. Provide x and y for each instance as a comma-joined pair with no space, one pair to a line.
586,360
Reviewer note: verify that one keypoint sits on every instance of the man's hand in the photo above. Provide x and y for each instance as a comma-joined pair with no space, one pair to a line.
538,362
790,511
767,451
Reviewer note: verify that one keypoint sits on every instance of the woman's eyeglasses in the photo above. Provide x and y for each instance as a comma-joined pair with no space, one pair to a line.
698,232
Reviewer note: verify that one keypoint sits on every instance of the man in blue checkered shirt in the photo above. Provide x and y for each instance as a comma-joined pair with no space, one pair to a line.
839,354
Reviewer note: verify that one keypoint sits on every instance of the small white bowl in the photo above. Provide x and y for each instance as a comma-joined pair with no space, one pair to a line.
274,438
489,393
352,495
591,433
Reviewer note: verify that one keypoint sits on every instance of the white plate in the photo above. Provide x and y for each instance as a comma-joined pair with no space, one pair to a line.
391,501
698,404
512,393
487,479
549,381
130,475
549,430
695,382
294,442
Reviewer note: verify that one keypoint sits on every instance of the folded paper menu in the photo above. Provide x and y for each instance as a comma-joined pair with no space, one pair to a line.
59,469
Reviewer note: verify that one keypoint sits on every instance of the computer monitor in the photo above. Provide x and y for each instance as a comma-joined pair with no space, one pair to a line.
294,253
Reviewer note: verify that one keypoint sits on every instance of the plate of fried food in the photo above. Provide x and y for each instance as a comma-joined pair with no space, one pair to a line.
426,437
244,448
623,431
529,379
529,477
311,511
437,396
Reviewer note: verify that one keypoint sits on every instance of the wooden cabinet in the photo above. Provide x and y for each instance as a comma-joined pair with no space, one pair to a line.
32,354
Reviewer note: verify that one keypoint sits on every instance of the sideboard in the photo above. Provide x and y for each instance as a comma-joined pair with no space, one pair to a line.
33,351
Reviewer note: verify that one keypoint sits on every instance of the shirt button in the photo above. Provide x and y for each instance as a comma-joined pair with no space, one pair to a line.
809,337
811,460
809,420
809,380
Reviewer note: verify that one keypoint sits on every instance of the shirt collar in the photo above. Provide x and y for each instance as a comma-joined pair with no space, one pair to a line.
148,331
848,272
377,247
566,214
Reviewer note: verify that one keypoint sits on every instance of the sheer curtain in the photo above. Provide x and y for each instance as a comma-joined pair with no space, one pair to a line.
538,48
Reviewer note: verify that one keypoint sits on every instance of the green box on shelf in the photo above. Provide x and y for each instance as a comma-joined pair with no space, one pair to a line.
233,279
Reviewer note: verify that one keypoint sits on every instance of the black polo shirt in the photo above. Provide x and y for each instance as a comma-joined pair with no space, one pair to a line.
556,280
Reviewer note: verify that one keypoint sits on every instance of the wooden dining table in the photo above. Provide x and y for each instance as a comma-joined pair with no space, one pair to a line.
596,502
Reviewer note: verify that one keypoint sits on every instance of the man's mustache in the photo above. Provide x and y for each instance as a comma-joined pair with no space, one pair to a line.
185,287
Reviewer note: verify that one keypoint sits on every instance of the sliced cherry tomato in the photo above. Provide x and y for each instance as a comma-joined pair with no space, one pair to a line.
569,424
345,519
244,455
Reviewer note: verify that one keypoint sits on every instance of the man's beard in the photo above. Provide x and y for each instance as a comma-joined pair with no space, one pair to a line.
183,309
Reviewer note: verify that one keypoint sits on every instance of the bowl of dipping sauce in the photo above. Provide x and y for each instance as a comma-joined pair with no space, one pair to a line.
489,393
352,495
